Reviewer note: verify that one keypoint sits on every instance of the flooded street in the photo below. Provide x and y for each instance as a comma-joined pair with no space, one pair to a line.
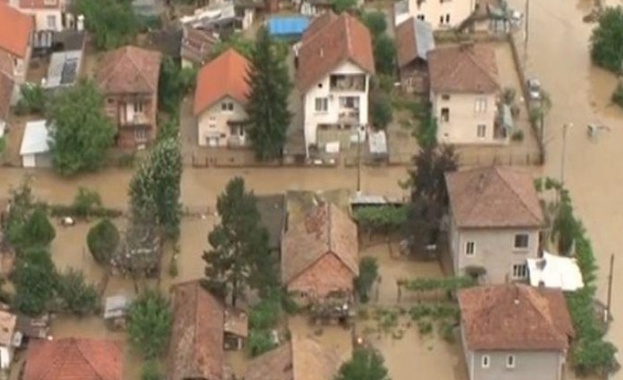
559,57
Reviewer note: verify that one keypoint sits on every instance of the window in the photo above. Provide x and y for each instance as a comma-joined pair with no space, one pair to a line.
111,101
138,107
520,271
212,126
470,248
140,135
441,19
485,361
481,131
448,18
445,115
51,22
510,361
349,102
227,106
480,105
521,241
322,104
420,17
445,97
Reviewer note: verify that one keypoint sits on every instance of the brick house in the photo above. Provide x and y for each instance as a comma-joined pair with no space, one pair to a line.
414,39
320,255
74,358
535,348
128,79
16,30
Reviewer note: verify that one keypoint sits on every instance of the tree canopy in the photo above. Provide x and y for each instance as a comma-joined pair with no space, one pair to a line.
267,107
80,133
149,324
384,50
102,240
113,22
340,6
237,41
366,364
382,111
376,21
35,280
607,40
76,295
240,255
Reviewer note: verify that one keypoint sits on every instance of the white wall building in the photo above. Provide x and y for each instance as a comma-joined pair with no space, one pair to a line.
441,14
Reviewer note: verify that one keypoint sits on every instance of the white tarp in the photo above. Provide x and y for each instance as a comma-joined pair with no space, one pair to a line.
556,272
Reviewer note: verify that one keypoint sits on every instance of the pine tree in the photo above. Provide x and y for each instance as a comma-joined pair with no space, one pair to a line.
240,254
267,107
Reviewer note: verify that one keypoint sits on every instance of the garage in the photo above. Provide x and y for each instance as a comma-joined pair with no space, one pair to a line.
35,151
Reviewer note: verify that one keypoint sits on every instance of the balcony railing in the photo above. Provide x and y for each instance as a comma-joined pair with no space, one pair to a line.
348,115
136,119
348,82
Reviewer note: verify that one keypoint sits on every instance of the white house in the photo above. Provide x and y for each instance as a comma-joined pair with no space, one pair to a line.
463,93
441,14
335,63
48,14
8,322
220,98
35,151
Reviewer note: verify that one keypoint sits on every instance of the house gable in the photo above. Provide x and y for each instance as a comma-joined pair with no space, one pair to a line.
328,274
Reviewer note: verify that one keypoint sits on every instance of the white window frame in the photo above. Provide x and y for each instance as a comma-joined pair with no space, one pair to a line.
447,119
480,105
481,131
140,135
138,107
447,18
510,361
468,251
227,106
485,361
51,21
527,241
321,105
520,271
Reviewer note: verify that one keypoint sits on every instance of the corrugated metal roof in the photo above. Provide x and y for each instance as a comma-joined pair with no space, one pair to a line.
288,26
378,142
425,41
64,68
35,138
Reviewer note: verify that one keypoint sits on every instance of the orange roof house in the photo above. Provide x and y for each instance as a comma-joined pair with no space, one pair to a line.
320,254
74,358
15,31
220,100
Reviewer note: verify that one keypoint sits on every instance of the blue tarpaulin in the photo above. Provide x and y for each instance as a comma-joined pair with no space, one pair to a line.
290,27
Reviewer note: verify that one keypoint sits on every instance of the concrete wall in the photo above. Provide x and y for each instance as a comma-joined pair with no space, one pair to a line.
41,18
434,10
494,251
529,365
322,90
212,123
462,126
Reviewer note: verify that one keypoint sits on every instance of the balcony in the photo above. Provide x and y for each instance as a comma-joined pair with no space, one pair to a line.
348,116
355,82
136,119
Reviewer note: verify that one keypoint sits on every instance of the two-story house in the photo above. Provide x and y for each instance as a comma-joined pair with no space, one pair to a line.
514,332
128,79
463,92
335,63
16,29
495,221
414,39
220,98
441,14
50,15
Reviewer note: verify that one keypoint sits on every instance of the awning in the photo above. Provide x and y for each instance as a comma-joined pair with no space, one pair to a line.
556,272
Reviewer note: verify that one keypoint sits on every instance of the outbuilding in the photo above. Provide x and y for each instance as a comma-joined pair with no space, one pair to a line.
35,151
288,28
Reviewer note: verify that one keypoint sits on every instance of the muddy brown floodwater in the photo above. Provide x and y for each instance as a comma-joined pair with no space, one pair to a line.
559,56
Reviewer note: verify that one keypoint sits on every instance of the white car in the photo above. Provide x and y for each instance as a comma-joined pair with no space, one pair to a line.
534,89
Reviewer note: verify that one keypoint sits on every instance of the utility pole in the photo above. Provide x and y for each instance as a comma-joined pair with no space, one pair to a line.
359,160
609,300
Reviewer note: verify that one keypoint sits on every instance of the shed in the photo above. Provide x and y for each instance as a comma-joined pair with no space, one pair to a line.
378,144
35,151
291,28
64,68
33,328
236,329
115,309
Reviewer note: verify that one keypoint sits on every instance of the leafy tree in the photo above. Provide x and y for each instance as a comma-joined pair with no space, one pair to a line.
429,195
267,107
35,280
33,99
607,40
340,6
376,22
565,227
240,255
112,22
149,324
76,295
22,203
142,196
81,134
151,371
265,314
174,83
37,231
85,201
103,240
237,41
426,133
384,50
366,364
368,273
382,112
166,171
260,341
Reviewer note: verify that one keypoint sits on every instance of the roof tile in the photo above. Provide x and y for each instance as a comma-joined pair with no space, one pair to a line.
129,69
15,30
465,68
414,39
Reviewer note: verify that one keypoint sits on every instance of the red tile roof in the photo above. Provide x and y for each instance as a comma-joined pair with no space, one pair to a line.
496,196
40,4
129,70
223,76
73,359
463,69
515,317
330,41
15,30
326,229
196,349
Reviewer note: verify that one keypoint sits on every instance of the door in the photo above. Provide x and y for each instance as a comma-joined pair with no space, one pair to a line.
212,142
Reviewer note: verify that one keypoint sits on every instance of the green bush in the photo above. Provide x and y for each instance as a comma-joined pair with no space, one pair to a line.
37,231
382,112
607,39
33,99
260,341
151,371
446,330
85,202
265,315
149,324
35,279
368,273
75,294
103,240
425,326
